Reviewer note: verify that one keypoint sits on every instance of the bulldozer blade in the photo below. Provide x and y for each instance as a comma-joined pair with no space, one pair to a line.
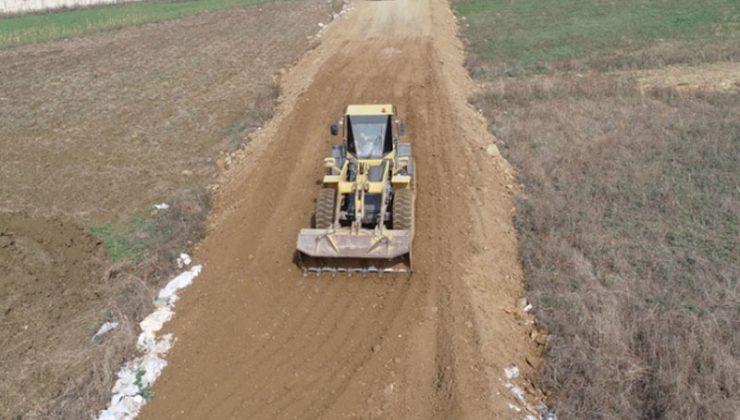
366,251
350,266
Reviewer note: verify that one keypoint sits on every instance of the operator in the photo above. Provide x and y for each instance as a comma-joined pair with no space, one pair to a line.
370,146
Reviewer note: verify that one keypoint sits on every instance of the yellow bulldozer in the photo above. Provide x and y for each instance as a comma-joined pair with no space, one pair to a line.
364,218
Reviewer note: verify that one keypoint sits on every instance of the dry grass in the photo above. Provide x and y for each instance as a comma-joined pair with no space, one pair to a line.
629,233
134,288
629,222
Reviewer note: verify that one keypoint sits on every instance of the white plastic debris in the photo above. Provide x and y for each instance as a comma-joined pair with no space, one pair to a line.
106,327
132,389
528,307
516,391
546,413
511,372
521,404
183,260
515,408
155,321
168,293
161,206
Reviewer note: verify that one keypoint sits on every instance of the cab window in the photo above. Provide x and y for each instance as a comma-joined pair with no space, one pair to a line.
369,136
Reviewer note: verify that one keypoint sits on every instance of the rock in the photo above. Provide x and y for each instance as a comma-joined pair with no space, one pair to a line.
492,150
538,337
376,348
388,390
223,164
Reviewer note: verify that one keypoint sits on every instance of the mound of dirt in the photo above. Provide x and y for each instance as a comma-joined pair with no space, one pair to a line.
50,270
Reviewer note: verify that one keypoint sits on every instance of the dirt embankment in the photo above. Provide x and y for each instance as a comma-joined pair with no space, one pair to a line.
258,340
93,131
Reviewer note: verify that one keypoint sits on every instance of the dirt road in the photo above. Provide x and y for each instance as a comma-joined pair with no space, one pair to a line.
258,340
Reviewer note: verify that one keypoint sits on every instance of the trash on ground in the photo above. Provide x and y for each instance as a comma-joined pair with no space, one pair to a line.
183,260
105,328
511,372
132,389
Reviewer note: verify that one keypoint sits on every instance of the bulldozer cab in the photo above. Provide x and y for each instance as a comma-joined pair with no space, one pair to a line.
369,136
369,130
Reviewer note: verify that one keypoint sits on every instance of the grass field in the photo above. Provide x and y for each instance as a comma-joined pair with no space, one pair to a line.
19,30
629,224
531,33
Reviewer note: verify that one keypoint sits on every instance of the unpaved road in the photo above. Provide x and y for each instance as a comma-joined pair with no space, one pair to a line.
258,340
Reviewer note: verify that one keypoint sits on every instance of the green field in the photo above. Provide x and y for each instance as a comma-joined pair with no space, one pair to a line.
26,29
530,32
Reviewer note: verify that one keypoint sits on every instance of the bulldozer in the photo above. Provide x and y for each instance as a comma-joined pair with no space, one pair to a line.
364,216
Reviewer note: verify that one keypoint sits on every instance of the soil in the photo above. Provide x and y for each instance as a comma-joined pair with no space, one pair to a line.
50,275
256,339
101,126
95,130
